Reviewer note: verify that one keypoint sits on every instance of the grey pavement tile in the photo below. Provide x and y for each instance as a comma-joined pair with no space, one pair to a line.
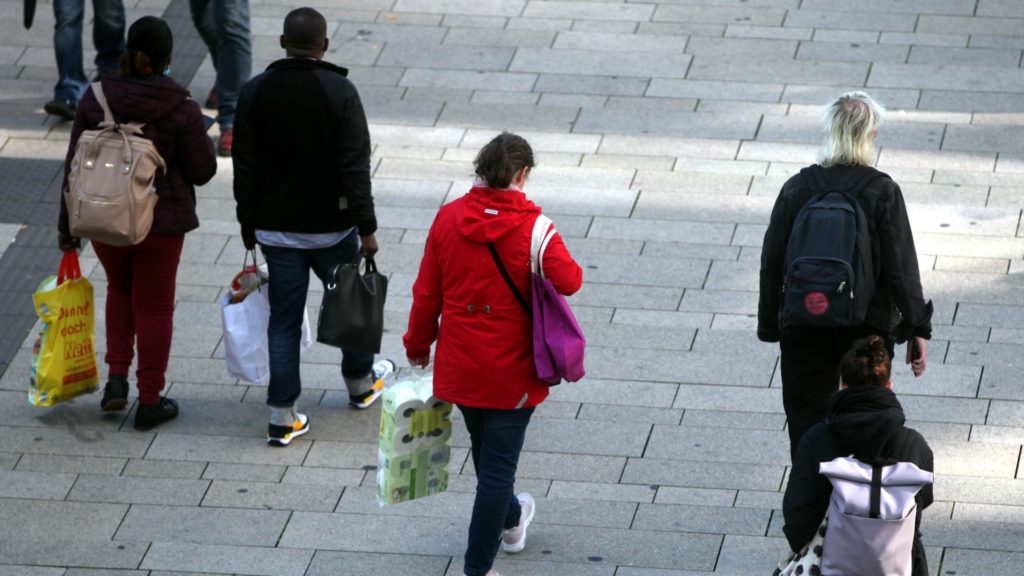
584,201
588,10
247,560
773,108
703,519
329,477
605,26
202,525
983,354
937,409
1006,335
920,39
688,367
35,485
624,393
755,16
263,495
447,56
816,95
740,342
467,79
988,513
936,77
681,28
630,336
715,207
942,55
106,572
76,442
620,269
716,475
587,437
867,20
669,146
164,469
940,380
968,101
777,152
666,123
784,71
563,466
1005,413
769,32
244,472
994,563
852,52
746,554
342,455
389,33
55,521
634,161
31,571
586,62
662,231
539,23
678,250
695,496
601,491
484,36
763,50
70,464
976,459
962,489
495,97
682,181
718,445
964,7
573,100
242,450
733,420
731,399
605,41
372,564
606,85
998,434
756,499
72,551
1001,382
138,490
939,24
985,41
941,432
616,413
986,137
974,534
644,297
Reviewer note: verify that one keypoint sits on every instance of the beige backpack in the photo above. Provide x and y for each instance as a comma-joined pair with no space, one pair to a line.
110,195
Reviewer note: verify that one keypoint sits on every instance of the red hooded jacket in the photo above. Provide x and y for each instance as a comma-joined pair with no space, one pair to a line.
484,355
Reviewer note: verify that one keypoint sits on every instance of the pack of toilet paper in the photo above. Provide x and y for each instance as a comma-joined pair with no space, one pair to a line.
415,442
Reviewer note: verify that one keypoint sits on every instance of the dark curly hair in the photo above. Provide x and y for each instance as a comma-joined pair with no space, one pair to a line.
867,364
501,158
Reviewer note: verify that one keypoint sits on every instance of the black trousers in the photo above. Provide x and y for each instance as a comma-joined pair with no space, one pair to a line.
810,372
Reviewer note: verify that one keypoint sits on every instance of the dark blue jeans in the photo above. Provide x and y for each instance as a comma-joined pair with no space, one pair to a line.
224,27
497,437
107,35
289,281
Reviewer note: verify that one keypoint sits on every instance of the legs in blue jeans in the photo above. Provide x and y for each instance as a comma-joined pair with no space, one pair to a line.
224,27
497,438
289,281
108,36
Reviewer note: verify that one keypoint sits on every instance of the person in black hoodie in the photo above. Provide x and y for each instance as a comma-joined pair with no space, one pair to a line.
898,312
140,278
864,419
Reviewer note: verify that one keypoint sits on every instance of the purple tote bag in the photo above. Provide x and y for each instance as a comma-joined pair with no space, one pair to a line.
558,341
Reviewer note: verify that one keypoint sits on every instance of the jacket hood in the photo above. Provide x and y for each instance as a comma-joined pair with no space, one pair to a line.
490,213
306,64
143,100
865,419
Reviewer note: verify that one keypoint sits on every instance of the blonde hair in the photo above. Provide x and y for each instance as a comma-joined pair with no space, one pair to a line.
850,124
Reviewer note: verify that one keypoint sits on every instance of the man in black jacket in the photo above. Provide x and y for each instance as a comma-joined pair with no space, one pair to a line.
810,355
302,183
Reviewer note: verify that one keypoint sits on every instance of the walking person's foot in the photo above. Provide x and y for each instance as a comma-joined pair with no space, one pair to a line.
62,108
282,435
380,371
149,416
115,393
513,540
224,142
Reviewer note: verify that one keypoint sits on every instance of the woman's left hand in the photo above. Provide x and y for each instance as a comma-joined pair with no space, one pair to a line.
419,362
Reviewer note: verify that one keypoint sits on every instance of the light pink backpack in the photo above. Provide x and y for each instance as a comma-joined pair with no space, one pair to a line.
871,517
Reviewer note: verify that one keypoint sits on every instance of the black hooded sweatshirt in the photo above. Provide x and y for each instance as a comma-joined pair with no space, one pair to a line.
867,422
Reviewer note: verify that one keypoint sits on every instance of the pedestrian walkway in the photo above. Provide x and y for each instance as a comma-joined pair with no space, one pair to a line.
663,131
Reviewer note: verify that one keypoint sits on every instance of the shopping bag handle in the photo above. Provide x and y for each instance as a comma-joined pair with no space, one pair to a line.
371,266
69,269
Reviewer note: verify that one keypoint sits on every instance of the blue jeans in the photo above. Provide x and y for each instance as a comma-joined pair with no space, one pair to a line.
107,35
497,437
289,281
224,27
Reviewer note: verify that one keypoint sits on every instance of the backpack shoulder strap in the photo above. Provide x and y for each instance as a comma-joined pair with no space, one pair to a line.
866,176
508,279
542,230
97,91
875,504
814,176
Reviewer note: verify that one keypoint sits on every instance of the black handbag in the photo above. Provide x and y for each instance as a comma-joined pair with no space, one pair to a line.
352,311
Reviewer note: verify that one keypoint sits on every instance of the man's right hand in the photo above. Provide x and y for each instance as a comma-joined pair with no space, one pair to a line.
249,238
368,246
917,364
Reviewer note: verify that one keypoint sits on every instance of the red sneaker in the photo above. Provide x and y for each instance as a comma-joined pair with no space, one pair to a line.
227,137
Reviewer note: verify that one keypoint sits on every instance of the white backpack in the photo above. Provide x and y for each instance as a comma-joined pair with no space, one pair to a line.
871,517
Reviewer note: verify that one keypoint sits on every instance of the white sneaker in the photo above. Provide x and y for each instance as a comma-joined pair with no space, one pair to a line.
380,371
514,539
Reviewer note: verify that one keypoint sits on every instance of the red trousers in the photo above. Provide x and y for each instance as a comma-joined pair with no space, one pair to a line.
140,308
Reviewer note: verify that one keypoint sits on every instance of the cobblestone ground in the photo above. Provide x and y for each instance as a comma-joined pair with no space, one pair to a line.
663,132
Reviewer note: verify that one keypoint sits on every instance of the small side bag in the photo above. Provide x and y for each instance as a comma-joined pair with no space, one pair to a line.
352,312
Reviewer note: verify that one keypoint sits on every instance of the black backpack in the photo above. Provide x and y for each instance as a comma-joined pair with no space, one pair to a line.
829,276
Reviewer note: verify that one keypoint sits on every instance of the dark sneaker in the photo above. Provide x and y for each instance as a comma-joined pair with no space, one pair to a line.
227,137
283,435
381,370
211,100
61,108
115,393
149,416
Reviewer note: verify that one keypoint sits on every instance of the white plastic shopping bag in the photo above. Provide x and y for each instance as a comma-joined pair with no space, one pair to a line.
245,336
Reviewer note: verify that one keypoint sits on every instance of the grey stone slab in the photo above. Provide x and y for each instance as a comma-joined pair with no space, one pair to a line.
646,297
499,37
703,519
247,560
677,250
936,77
746,554
447,56
268,496
976,459
1001,382
661,318
243,472
982,354
631,63
763,50
202,525
1007,335
35,485
867,20
588,10
974,534
327,477
616,413
654,145
998,434
601,491
697,186
964,7
990,138
714,475
941,380
587,437
695,496
733,420
852,52
372,564
72,551
703,207
754,499
666,123
613,41
718,445
662,230
601,84
995,563
629,336
939,24
243,450
57,521
626,393
1006,413
133,490
70,464
688,367
584,201
970,314
736,68
76,442
31,571
730,398
618,269
769,32
467,79
920,39
562,466
937,409
816,95
737,341
494,97
971,101
942,55
755,16
164,469
342,455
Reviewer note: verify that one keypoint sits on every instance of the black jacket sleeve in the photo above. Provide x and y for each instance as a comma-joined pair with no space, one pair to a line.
806,499
773,254
243,158
354,163
196,158
900,271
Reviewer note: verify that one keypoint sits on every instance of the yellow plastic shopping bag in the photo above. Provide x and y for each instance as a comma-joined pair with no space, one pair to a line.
64,358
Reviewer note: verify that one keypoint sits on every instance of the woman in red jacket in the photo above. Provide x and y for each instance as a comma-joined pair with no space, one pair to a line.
140,278
484,357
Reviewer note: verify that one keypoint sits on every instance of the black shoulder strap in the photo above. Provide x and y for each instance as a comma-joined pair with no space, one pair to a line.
815,177
508,279
875,509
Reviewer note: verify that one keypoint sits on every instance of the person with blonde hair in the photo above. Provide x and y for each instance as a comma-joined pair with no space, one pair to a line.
807,301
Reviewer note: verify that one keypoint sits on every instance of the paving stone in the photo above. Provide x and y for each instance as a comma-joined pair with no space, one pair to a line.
612,41
367,564
852,52
248,560
76,442
588,10
244,472
591,84
248,450
730,398
72,551
35,485
164,469
667,123
623,336
51,464
733,420
268,496
963,561
703,474
669,146
202,525
695,496
662,231
30,571
446,56
138,490
993,138
499,37
328,477
689,367
644,64
586,437
704,519
561,466
597,491
718,445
